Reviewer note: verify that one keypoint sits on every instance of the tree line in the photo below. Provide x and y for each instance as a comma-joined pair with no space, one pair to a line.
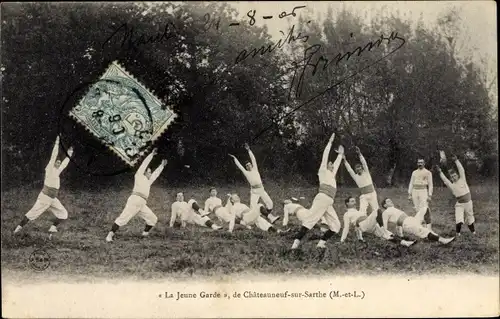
397,90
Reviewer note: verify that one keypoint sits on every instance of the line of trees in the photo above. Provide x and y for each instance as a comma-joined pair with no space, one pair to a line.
416,100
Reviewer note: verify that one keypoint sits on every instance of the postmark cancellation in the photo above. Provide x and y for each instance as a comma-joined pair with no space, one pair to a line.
123,114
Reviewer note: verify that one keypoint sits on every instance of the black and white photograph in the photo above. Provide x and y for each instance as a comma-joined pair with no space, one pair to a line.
249,159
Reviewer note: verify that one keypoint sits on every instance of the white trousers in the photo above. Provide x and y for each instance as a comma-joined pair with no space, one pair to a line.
136,205
322,206
412,225
258,193
45,203
224,215
464,211
419,198
366,200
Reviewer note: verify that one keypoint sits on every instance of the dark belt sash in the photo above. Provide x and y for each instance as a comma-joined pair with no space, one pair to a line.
50,191
464,198
419,186
141,195
401,219
256,186
327,190
367,189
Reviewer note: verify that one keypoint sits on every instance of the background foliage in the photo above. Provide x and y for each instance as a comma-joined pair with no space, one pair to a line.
409,104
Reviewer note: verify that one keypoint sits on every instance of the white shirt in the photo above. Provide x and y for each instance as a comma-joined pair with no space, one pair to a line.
421,177
289,210
238,208
52,174
211,203
365,179
350,217
182,209
460,187
252,176
142,184
392,215
326,176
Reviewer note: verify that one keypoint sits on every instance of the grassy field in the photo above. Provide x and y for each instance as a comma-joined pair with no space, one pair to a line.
80,250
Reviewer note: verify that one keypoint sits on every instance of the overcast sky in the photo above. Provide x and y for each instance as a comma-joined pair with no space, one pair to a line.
478,19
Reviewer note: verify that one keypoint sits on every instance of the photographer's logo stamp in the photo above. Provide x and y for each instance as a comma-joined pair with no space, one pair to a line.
39,260
123,114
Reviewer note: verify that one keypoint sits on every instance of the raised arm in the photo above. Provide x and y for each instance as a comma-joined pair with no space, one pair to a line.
326,153
338,160
158,171
145,163
363,162
55,151
345,230
445,180
242,169
65,162
460,168
349,168
252,157
173,215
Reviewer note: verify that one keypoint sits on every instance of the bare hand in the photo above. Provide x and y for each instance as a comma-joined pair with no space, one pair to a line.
155,151
409,198
358,151
437,168
340,150
429,198
70,151
454,158
442,157
164,162
247,147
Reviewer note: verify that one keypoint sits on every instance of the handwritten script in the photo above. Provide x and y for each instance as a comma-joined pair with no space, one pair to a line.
311,60
131,40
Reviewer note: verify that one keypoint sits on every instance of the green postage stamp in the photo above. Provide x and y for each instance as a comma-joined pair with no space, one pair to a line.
123,114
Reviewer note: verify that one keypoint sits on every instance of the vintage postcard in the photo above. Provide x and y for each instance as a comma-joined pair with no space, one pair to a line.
249,159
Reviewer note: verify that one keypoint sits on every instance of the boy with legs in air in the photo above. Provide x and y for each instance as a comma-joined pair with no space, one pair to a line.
366,224
407,224
190,213
248,216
